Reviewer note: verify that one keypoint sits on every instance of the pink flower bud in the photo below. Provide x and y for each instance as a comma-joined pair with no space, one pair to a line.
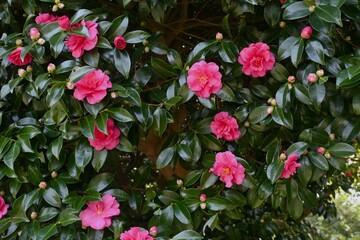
153,231
64,22
219,37
312,77
270,110
179,182
120,42
33,215
21,72
291,79
42,185
306,32
203,197
348,174
34,34
51,68
320,150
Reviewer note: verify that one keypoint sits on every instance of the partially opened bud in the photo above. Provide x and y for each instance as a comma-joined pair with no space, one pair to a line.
33,215
202,205
42,185
21,72
291,79
312,77
219,37
283,157
306,32
203,197
320,150
34,34
51,68
29,69
270,110
179,182
153,231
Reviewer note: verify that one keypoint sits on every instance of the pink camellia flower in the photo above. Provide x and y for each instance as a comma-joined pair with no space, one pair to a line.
204,79
228,169
92,87
290,166
120,42
34,34
77,44
109,140
225,126
64,23
98,214
153,231
312,77
256,59
3,207
45,18
320,150
306,32
14,57
282,1
135,233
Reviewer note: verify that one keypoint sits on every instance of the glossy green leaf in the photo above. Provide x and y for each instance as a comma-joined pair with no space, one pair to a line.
297,148
11,155
54,94
79,15
87,126
207,179
210,141
165,157
279,72
315,51
301,94
296,53
348,77
203,126
226,94
52,197
318,160
258,114
274,170
160,121
182,213
342,150
122,62
47,214
317,93
47,232
282,118
100,182
295,207
284,51
272,13
282,96
83,154
192,177
78,72
187,234
120,114
295,11
99,159
228,51
162,68
118,27
65,66
329,14
217,203
67,217
136,36
101,122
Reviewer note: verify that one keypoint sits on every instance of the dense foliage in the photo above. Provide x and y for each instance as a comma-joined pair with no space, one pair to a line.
176,119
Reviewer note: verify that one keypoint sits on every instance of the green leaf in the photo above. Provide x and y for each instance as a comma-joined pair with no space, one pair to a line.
160,121
212,223
182,213
274,170
52,197
136,36
120,114
55,93
83,153
34,175
297,51
315,51
100,182
284,51
207,179
162,68
134,97
329,14
99,159
317,93
47,232
279,72
187,234
295,207
87,126
258,114
228,51
226,94
210,142
297,148
192,177
94,109
50,30
47,213
301,94
318,160
91,58
342,150
79,72
79,15
281,118
118,27
101,122
11,155
272,13
296,10
282,95
167,215
265,190
348,77
165,157
67,217
122,62
65,66
57,43
174,58
217,203
203,126
172,102
103,43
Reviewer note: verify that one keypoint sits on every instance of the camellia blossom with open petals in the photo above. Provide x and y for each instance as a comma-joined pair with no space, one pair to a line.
92,87
256,59
14,57
45,18
109,140
225,126
78,44
136,233
64,23
228,169
98,214
3,207
290,166
204,79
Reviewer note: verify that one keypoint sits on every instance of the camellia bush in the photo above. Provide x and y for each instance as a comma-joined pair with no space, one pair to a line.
166,119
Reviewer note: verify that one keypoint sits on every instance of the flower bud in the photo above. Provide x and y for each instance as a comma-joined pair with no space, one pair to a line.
203,205
348,174
55,8
320,150
2,193
114,95
51,68
219,37
18,42
291,79
41,41
70,85
246,124
270,110
179,182
203,197
57,1
29,69
42,185
273,102
54,174
312,8
33,215
153,231
327,155
320,73
332,137
282,24
312,77
147,49
283,157
145,42
306,32
61,5
290,86
348,38
34,34
21,72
